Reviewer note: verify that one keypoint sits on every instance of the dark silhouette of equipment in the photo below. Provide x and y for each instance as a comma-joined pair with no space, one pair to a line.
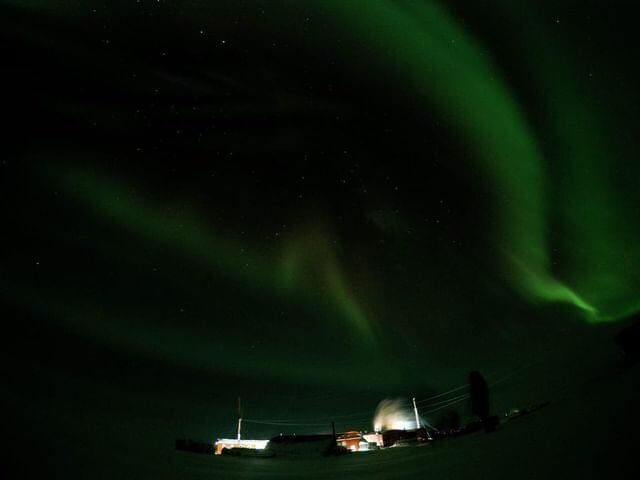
479,392
304,445
449,421
628,340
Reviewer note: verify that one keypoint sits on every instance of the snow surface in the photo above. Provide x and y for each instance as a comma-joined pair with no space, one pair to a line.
589,430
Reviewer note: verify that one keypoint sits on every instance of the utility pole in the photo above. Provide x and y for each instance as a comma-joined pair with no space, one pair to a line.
239,420
335,438
415,410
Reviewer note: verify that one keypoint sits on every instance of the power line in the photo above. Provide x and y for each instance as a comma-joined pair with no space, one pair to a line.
453,402
286,424
446,402
442,394
352,416
457,397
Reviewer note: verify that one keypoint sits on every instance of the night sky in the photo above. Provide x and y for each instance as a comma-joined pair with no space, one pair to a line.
312,205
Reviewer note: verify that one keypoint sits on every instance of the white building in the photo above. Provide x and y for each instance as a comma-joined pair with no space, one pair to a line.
223,443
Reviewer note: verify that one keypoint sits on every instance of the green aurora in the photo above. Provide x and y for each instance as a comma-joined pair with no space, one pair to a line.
315,205
279,273
562,230
428,52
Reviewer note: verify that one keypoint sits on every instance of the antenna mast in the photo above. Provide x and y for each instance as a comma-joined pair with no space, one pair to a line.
239,419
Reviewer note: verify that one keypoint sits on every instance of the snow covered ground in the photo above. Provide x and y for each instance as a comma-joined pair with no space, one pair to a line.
589,430
590,433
